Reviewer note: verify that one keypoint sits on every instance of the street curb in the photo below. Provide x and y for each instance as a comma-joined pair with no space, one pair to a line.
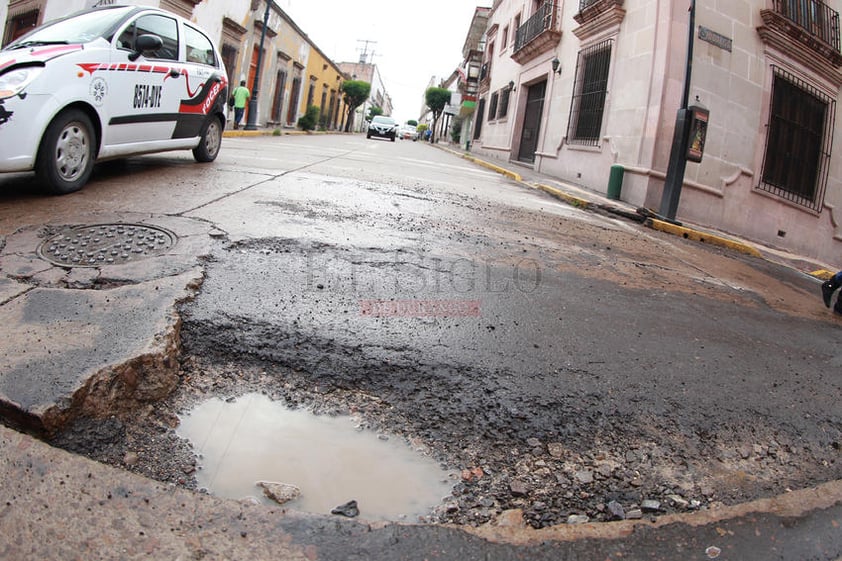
503,171
822,274
703,237
232,133
566,197
660,225
267,132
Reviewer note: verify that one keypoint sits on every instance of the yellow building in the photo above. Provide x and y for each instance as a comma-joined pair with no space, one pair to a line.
324,78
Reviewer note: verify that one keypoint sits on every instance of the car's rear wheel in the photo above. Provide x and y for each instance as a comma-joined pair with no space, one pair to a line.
66,154
211,142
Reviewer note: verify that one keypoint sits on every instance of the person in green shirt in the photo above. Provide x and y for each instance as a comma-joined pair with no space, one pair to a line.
241,96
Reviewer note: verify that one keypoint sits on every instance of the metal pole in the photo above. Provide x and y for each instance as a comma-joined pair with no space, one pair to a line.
678,153
251,123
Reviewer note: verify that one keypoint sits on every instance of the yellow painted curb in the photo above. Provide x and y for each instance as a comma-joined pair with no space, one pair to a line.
569,199
498,169
822,274
703,237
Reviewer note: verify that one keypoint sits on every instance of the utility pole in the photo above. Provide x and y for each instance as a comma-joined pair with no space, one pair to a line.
364,60
364,49
678,153
251,123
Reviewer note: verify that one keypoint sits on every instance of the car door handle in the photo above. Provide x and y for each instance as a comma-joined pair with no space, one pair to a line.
175,73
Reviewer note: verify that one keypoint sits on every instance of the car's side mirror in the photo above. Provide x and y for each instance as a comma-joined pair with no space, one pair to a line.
144,43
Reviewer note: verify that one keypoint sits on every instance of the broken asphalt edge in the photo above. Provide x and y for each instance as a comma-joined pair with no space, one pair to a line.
162,521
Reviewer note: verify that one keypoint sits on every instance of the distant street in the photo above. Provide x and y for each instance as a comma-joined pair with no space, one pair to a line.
564,362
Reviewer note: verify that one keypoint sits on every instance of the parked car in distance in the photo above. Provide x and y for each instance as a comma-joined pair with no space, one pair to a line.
383,127
409,132
107,83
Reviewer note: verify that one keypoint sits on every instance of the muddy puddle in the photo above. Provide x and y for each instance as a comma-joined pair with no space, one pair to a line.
329,459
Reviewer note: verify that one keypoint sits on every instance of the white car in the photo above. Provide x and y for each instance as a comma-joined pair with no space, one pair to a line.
108,83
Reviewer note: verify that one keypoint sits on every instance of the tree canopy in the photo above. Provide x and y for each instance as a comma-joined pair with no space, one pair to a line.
374,111
437,99
354,94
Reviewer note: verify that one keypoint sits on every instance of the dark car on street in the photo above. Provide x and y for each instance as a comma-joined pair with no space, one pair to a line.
382,126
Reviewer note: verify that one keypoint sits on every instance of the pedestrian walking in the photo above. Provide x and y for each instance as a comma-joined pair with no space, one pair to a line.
828,288
241,95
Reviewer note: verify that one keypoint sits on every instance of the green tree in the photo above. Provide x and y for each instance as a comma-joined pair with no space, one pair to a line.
374,111
437,99
456,130
354,94
308,121
412,122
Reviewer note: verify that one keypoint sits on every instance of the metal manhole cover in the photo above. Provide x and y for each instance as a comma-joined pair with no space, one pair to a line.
105,244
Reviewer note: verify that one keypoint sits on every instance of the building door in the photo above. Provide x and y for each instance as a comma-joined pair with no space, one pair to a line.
278,98
532,122
292,111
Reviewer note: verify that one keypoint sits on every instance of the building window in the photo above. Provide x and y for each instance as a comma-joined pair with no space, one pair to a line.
590,91
229,58
798,140
503,39
311,94
504,102
292,110
492,107
479,119
21,24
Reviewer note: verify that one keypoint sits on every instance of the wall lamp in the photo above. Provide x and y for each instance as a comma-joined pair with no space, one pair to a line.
511,86
556,65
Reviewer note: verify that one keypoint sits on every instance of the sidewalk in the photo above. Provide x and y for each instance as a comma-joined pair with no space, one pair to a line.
589,200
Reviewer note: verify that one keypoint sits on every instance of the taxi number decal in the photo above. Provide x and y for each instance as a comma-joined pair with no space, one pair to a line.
147,96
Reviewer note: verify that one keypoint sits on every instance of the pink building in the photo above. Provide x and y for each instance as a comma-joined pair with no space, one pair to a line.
572,87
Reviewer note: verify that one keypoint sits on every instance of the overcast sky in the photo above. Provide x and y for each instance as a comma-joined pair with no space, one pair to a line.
413,40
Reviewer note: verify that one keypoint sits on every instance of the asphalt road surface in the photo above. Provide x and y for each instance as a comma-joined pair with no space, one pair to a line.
571,364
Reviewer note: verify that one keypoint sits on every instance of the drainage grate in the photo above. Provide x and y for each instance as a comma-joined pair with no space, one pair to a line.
105,244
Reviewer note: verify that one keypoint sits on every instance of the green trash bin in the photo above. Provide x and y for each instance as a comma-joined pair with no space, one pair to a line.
615,182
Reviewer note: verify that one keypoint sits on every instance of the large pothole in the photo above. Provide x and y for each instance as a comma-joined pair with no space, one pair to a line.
329,460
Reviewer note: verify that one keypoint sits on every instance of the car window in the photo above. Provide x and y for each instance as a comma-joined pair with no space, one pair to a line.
80,28
383,120
199,47
162,26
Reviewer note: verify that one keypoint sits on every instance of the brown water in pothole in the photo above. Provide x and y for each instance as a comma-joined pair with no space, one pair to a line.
255,439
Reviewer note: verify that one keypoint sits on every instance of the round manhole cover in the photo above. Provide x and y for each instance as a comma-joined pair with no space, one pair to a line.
105,244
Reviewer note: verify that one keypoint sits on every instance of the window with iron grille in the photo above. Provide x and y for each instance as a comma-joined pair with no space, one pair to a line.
492,107
798,140
589,93
504,103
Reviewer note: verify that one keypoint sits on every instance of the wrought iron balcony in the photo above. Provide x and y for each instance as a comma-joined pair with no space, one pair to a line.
813,16
811,23
596,16
538,34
